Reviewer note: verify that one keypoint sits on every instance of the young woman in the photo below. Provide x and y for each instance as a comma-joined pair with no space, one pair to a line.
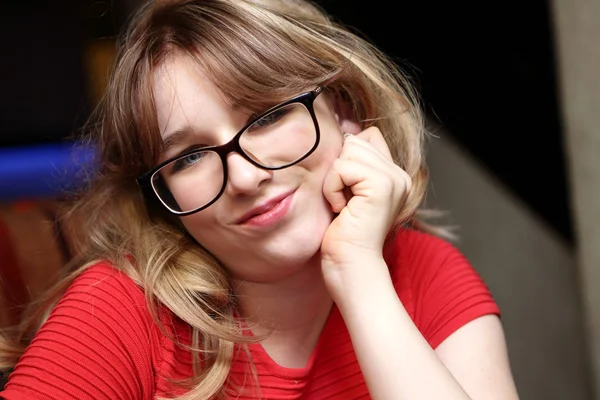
253,230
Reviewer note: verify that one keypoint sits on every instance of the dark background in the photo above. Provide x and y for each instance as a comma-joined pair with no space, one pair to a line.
485,70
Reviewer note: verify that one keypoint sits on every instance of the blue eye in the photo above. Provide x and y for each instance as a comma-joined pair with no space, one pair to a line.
187,161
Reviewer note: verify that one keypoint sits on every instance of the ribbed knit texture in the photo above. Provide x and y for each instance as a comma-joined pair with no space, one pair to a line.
100,341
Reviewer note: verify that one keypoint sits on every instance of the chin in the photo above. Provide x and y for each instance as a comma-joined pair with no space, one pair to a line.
302,241
282,253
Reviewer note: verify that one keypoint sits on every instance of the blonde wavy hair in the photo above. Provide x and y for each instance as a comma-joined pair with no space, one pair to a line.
258,53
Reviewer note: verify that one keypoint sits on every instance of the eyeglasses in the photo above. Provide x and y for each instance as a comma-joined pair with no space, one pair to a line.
282,136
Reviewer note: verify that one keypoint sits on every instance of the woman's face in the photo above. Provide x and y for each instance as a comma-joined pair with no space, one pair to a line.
292,212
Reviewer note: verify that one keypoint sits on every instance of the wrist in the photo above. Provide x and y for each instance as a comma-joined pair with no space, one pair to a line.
351,256
359,283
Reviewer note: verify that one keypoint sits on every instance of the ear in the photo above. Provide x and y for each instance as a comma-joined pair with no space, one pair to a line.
344,115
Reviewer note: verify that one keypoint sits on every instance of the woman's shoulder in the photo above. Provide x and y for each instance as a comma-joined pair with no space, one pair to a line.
410,248
436,283
107,298
102,276
103,286
98,340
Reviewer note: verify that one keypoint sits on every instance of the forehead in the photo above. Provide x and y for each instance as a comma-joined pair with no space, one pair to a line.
184,95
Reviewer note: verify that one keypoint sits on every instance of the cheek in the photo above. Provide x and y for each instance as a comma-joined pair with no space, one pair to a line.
199,225
328,151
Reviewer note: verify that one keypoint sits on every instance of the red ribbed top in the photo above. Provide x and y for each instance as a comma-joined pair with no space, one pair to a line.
100,341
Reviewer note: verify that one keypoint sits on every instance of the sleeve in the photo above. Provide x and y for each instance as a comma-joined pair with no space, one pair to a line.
95,344
447,292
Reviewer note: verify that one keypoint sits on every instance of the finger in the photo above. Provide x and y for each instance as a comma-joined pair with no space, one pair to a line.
374,137
360,151
361,179
368,181
334,190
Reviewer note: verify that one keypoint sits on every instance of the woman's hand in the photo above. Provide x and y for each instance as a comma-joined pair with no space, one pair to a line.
368,190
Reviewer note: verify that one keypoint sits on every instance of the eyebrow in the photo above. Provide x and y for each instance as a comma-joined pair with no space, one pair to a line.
180,135
175,138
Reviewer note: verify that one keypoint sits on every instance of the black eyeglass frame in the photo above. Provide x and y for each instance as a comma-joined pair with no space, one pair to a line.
307,99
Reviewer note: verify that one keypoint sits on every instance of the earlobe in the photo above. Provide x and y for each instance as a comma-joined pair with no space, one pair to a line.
349,126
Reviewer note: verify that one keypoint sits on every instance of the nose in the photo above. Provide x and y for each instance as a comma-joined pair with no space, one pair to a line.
244,177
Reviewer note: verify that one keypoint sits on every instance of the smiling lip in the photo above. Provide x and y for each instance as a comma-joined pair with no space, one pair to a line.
269,213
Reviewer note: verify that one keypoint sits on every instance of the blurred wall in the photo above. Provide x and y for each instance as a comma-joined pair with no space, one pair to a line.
529,268
577,27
